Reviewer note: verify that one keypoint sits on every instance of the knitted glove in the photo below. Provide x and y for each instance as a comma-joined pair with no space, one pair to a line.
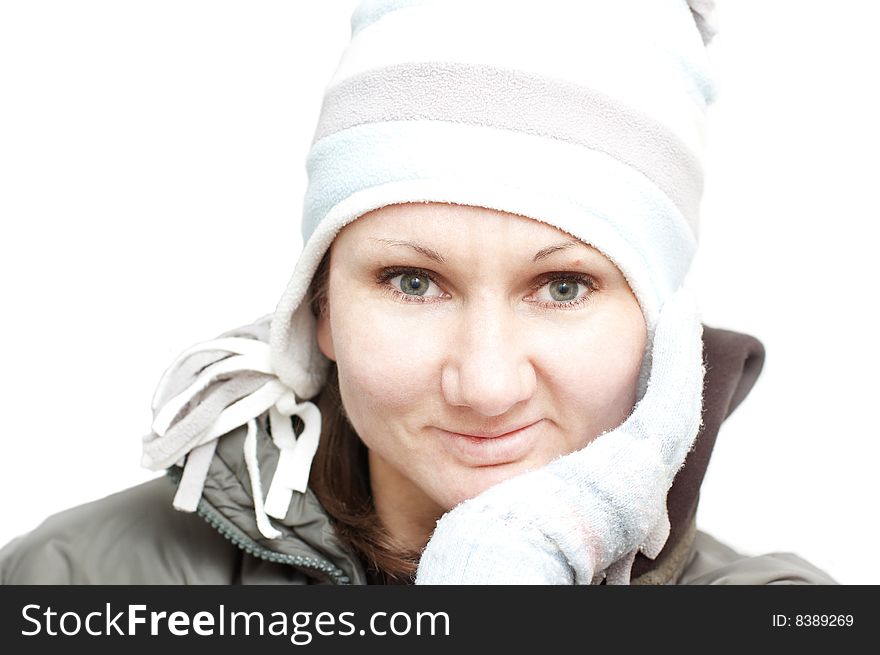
586,514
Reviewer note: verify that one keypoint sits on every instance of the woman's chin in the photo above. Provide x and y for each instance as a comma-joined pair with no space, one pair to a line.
475,480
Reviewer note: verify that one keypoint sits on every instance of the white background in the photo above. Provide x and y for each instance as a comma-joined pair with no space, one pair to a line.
151,179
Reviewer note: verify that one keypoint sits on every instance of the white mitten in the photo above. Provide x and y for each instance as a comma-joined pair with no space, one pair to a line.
586,514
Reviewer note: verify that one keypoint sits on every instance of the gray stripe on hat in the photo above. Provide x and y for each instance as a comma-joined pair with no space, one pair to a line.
529,103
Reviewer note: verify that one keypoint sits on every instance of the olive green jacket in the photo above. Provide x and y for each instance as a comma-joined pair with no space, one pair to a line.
136,537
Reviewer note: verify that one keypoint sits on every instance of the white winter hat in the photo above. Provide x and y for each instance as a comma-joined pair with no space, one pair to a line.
588,115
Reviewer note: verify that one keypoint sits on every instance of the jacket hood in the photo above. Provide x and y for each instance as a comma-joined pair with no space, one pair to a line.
733,364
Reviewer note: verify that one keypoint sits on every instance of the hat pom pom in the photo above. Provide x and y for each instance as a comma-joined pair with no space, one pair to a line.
706,17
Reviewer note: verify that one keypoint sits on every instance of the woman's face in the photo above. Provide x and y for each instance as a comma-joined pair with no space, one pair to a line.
449,320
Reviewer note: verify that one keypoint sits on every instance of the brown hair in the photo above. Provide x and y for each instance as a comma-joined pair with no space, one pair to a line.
340,476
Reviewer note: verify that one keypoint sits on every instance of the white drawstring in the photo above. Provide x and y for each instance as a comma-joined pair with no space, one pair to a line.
253,466
296,454
249,356
192,482
295,460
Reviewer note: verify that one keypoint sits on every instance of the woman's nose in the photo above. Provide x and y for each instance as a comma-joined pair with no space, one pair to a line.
489,367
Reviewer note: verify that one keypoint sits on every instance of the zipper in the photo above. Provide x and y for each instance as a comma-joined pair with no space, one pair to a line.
251,547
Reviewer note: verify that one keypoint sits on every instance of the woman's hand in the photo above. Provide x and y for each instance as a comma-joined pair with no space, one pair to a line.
591,510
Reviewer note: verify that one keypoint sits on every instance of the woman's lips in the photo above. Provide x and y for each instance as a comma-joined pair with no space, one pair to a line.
491,451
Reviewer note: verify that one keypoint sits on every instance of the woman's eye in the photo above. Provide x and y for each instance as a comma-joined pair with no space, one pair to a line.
566,291
412,283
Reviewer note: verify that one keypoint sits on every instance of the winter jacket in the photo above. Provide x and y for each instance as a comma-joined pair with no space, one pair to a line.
136,537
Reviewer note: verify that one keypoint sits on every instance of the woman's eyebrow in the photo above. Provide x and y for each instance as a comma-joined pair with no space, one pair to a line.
549,250
427,252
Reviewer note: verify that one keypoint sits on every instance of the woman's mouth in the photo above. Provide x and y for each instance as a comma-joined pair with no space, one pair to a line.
491,450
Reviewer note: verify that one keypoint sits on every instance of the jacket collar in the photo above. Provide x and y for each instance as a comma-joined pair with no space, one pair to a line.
308,540
733,363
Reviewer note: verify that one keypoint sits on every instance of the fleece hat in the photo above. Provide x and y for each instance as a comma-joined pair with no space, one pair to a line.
587,115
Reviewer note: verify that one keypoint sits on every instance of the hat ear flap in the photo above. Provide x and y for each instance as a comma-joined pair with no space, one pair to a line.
293,336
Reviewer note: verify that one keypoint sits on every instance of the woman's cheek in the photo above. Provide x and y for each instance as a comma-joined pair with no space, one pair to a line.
381,359
621,361
594,377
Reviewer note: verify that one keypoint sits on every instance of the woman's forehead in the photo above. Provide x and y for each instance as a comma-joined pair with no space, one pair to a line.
448,223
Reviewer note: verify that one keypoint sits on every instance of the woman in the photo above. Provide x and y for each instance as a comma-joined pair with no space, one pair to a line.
486,327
